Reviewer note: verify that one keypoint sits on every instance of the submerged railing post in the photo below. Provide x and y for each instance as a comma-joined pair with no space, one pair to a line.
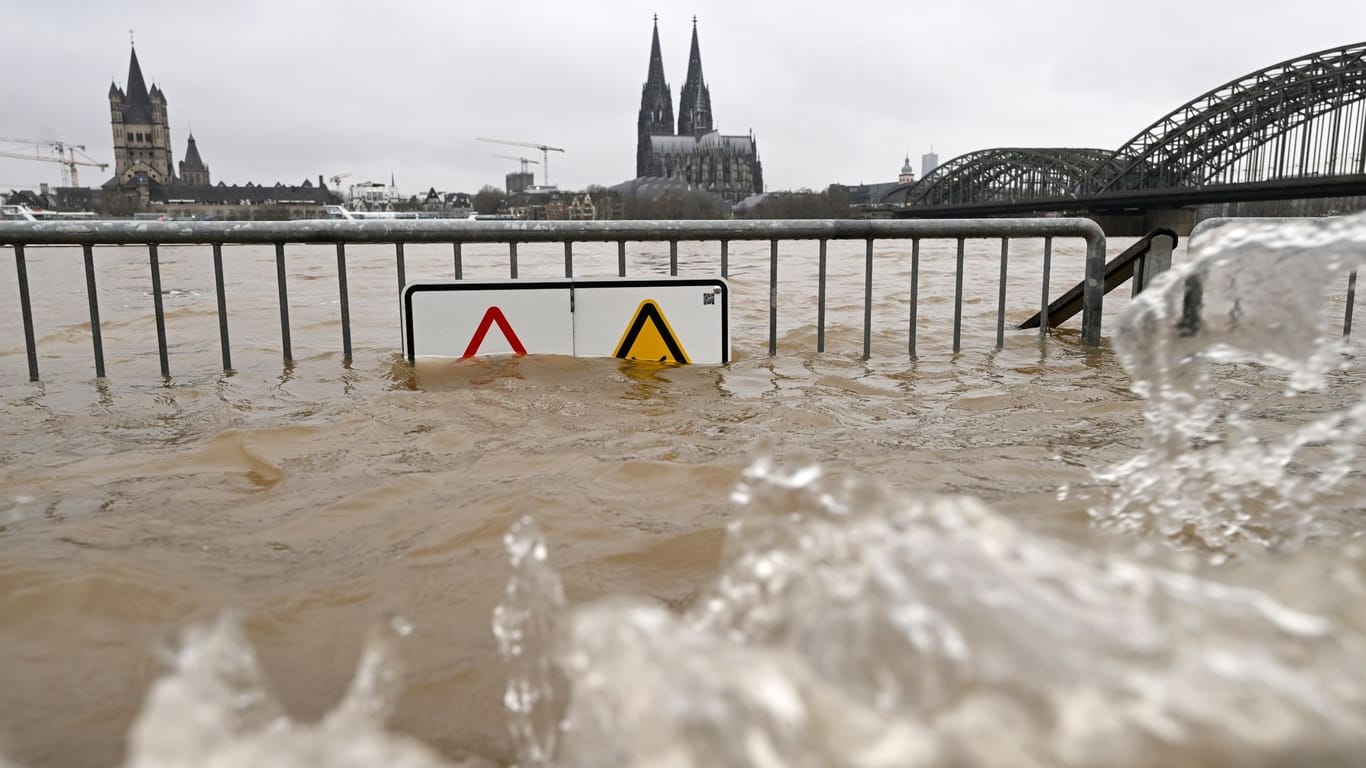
26,310
773,298
820,300
958,299
621,258
568,258
725,259
1043,302
344,295
458,258
1159,258
1001,297
223,304
868,299
512,259
915,293
401,266
1093,294
160,310
673,258
284,301
88,251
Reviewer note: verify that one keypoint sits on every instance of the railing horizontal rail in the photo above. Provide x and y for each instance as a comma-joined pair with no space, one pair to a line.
441,231
21,235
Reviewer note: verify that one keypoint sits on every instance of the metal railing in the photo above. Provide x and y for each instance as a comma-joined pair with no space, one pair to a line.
1140,264
88,235
1210,224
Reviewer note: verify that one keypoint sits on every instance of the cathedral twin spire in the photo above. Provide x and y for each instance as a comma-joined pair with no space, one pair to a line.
694,110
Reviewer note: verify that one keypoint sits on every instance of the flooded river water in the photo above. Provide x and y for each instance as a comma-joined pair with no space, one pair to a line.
322,502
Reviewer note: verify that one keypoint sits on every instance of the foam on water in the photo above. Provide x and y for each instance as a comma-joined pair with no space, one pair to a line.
851,626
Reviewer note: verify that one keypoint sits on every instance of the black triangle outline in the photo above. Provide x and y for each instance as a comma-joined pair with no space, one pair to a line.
649,309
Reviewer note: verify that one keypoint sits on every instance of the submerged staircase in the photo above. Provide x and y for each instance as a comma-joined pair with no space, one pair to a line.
1141,261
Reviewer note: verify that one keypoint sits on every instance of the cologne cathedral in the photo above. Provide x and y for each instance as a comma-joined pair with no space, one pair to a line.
696,152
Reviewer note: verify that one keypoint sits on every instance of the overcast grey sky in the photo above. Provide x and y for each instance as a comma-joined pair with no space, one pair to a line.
834,92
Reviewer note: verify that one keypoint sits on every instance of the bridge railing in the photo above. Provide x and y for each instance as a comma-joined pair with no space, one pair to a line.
89,235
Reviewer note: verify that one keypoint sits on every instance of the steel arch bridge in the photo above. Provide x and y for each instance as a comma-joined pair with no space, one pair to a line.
1299,120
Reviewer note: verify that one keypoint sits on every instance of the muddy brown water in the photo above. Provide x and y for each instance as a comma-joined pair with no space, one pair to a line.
319,499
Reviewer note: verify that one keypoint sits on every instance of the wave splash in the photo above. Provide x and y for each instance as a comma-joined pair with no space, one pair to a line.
1225,467
850,626
213,710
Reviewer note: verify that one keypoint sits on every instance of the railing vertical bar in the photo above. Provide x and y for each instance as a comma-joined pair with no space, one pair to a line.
773,298
1351,301
400,264
725,259
95,337
159,309
345,297
568,259
820,301
868,300
284,301
26,310
915,292
1001,295
512,260
458,257
621,258
673,258
958,300
1093,292
222,306
1043,301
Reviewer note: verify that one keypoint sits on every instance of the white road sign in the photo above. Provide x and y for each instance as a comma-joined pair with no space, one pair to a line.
672,320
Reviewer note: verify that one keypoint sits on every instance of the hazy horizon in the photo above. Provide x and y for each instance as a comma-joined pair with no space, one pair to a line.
832,94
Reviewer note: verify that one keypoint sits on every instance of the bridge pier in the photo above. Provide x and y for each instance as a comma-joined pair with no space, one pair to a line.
1140,222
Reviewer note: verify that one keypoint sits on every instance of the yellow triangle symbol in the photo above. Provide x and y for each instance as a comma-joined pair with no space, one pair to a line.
649,337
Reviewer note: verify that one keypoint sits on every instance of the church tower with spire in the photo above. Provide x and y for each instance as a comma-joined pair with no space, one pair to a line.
142,132
656,107
694,111
193,171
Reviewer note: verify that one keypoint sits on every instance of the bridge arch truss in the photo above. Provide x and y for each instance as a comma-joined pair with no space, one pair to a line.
1297,119
1005,173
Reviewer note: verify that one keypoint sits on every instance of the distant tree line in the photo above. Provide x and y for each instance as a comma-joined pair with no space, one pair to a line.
833,203
692,204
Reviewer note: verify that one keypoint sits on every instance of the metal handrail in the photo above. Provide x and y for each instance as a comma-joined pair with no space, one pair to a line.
89,234
1132,264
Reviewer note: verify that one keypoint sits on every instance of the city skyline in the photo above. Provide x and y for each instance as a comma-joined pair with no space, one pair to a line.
833,96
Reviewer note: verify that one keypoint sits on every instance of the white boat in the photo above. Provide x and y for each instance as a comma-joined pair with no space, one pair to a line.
341,213
21,212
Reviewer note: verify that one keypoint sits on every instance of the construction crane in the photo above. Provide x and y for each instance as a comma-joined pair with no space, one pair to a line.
336,180
66,155
524,161
545,152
